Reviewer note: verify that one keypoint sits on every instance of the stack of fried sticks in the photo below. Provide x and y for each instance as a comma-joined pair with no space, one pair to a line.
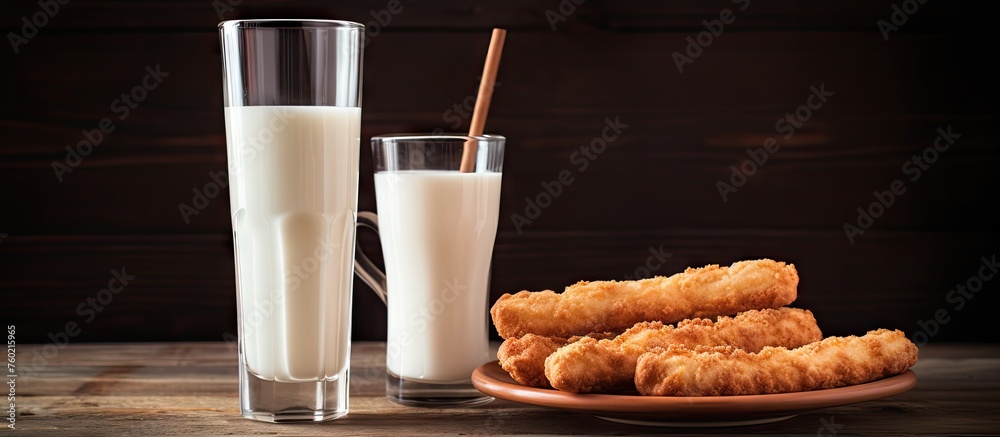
704,332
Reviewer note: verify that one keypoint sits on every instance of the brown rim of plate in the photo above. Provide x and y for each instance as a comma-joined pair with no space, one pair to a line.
491,379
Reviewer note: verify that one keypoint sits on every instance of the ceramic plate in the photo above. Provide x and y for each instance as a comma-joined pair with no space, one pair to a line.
694,411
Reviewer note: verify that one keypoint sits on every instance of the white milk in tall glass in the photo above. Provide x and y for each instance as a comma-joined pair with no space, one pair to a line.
294,182
437,230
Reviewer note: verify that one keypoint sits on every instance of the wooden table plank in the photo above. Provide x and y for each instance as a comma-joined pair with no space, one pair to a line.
191,388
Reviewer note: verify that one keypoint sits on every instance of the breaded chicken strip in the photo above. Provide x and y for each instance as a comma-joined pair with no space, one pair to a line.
614,306
726,371
594,366
524,357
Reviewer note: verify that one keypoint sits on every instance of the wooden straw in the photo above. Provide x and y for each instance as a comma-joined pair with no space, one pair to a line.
483,99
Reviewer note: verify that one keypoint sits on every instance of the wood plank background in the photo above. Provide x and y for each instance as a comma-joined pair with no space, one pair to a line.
653,187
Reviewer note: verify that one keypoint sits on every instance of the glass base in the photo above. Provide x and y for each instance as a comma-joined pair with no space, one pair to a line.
417,393
285,402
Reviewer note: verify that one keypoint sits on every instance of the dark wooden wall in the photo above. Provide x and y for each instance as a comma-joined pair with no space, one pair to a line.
653,187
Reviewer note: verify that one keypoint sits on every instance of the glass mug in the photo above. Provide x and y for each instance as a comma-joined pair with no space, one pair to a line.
293,116
437,226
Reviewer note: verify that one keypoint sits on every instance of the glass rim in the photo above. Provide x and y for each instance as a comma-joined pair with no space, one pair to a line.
291,23
438,137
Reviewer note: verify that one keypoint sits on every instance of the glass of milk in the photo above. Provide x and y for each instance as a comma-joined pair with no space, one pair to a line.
293,110
437,226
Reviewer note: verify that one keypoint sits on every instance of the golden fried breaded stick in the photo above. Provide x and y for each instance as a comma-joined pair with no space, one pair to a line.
524,357
594,366
726,371
617,305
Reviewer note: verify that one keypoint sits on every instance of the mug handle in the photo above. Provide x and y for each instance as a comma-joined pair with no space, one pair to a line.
363,266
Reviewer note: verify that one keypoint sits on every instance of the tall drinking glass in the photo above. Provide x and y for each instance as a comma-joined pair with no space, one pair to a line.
293,111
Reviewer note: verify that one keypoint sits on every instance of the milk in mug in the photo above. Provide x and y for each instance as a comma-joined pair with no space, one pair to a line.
437,230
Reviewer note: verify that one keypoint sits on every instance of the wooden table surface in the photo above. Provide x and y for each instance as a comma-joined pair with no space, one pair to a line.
191,388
